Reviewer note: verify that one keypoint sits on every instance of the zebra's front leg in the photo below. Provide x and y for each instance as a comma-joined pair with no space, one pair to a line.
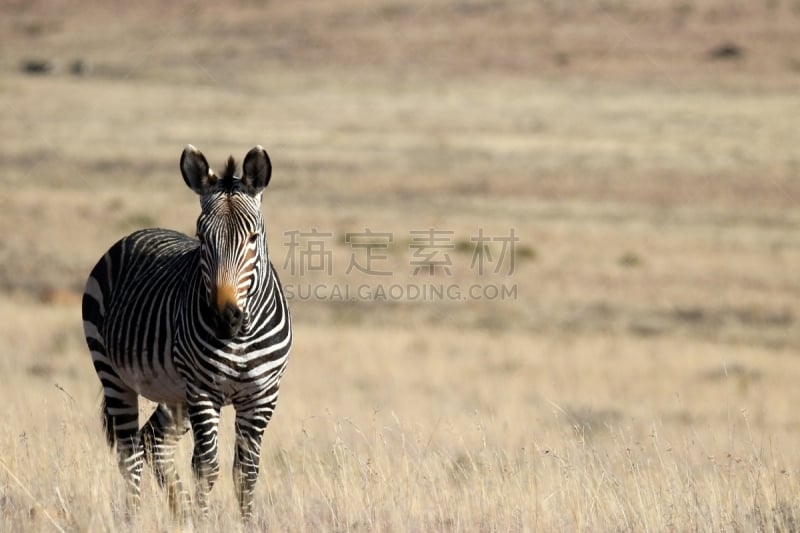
250,426
160,436
204,417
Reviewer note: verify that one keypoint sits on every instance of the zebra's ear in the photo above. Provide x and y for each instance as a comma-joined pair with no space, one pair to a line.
256,170
196,172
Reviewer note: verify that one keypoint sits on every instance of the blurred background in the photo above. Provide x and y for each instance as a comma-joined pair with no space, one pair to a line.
645,154
628,170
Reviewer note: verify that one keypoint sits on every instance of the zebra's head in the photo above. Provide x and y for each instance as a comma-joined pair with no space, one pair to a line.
233,246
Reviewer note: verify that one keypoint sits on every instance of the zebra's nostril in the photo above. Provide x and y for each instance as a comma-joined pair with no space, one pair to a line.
232,315
228,321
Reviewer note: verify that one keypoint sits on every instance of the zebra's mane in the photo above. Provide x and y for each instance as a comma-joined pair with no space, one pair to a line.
228,181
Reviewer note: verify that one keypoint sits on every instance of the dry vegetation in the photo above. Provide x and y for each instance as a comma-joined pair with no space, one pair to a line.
646,154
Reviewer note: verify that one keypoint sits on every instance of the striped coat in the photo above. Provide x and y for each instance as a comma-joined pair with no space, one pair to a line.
194,325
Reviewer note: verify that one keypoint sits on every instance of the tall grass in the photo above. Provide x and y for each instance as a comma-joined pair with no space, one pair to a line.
545,433
331,474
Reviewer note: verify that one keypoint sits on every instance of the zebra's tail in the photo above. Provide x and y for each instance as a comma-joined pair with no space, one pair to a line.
95,296
108,423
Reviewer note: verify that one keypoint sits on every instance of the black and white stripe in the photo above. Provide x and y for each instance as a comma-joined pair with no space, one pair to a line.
194,325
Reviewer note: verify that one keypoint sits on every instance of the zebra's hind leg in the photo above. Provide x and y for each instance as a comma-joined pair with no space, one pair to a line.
160,436
121,420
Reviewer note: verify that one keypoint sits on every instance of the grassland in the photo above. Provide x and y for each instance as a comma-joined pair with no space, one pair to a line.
644,377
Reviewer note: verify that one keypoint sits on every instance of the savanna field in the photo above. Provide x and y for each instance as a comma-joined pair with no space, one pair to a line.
543,256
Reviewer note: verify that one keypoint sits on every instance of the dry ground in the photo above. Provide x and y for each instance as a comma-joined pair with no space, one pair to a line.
643,378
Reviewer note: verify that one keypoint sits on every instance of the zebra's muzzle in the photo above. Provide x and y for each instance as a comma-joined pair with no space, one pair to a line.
228,321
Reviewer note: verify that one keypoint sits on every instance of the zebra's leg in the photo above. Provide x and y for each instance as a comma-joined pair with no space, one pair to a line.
121,420
204,417
160,436
120,409
251,421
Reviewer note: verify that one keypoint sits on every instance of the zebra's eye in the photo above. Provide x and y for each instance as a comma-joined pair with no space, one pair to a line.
253,238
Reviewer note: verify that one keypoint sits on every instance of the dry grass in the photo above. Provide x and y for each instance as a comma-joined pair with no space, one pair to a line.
644,378
526,433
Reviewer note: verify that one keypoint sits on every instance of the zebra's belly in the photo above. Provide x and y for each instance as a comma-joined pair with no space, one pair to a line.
156,384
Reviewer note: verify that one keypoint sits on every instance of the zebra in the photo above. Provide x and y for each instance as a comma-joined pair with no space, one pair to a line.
192,324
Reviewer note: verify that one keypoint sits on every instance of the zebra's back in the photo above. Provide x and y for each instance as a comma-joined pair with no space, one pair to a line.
132,297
